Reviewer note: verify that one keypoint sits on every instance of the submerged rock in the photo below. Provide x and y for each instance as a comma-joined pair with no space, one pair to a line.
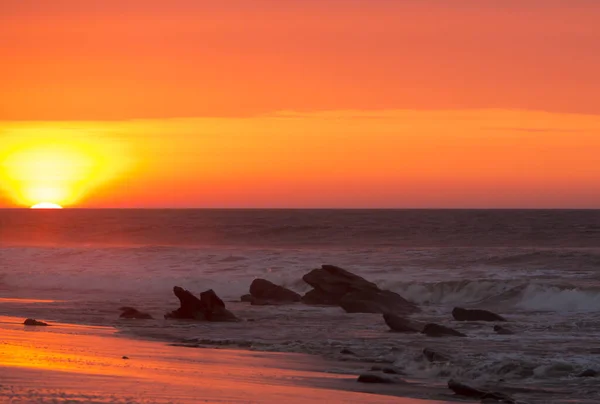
467,391
502,331
433,356
31,321
208,308
436,330
461,314
588,373
336,286
132,313
247,298
372,378
264,292
389,370
401,324
346,351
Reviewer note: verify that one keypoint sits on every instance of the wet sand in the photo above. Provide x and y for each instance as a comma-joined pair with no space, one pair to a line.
76,364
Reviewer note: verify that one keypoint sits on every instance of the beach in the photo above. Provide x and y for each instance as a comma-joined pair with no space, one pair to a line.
83,364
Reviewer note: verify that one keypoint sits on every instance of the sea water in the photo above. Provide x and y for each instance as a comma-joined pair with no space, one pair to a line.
538,268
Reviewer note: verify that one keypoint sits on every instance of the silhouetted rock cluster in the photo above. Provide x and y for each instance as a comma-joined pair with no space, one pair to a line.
208,308
336,286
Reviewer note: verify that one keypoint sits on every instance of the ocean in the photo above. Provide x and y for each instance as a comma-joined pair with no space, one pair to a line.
538,268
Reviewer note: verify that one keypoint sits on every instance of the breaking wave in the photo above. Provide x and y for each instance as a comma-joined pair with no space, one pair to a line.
498,293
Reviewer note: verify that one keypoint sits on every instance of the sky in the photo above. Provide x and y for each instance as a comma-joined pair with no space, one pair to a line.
300,103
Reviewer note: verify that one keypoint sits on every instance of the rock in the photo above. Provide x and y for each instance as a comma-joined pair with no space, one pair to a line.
125,357
372,378
389,370
436,330
588,373
461,314
400,324
502,331
464,390
467,391
433,356
336,286
208,308
265,292
336,282
376,301
346,351
132,313
247,298
31,321
316,297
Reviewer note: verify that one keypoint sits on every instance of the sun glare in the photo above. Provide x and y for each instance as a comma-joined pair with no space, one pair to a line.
59,166
46,205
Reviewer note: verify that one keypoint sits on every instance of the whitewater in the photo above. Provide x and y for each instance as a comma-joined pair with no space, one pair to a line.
539,269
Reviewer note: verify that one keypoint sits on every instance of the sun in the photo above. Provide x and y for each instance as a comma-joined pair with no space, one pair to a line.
46,205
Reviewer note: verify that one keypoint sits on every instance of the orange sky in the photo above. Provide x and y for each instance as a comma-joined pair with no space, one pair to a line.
328,103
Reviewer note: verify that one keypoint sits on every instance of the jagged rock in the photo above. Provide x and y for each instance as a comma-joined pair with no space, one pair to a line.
461,314
436,330
372,378
31,321
588,373
265,292
132,313
208,308
433,356
502,331
400,324
336,286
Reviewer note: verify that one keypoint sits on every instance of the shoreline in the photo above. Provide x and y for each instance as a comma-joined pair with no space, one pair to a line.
75,363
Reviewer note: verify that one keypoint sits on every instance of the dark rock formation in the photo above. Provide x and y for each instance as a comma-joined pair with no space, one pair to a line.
436,330
502,331
31,321
263,292
132,313
208,308
433,356
461,314
372,378
125,357
346,351
467,391
588,373
400,324
336,286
